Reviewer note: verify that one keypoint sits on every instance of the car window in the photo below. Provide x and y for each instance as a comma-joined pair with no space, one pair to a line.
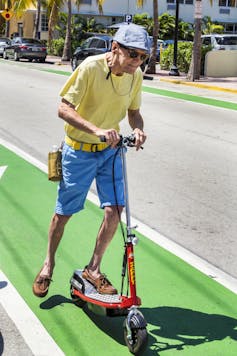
30,40
86,43
94,42
101,44
206,41
229,41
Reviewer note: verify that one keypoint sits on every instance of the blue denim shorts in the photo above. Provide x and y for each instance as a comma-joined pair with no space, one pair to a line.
80,169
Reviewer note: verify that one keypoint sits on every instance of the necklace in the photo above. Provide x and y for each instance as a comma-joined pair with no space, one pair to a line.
116,91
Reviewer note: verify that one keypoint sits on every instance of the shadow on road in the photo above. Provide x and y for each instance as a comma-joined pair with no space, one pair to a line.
169,327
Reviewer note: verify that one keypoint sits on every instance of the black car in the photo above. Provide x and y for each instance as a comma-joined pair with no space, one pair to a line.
97,44
4,41
27,48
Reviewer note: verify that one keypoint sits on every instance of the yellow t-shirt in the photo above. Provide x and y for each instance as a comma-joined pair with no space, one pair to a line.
103,102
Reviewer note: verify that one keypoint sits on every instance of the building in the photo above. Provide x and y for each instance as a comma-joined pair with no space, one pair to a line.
223,11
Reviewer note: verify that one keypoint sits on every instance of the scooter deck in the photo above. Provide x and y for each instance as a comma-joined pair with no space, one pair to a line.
92,293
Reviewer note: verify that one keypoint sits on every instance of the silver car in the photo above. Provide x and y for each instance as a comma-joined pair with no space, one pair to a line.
4,41
27,48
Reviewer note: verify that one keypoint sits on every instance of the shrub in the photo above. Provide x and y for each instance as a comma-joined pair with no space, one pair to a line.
57,47
184,56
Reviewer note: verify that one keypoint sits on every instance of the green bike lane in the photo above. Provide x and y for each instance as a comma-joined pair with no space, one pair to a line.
188,313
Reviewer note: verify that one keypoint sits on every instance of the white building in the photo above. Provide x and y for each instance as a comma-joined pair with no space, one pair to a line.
223,11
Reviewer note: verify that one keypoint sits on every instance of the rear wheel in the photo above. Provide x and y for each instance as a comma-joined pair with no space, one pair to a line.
16,57
76,300
77,284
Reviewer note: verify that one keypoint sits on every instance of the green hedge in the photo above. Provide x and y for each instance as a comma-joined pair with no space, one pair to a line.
184,56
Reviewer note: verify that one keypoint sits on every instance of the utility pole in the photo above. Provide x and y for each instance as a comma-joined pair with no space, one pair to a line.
174,70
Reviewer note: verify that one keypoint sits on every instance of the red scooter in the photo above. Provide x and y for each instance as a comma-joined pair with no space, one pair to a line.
83,292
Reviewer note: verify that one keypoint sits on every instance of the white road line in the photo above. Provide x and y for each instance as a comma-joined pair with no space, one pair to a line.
31,329
205,267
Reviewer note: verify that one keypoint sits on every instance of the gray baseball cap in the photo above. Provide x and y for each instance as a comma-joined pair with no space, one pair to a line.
133,36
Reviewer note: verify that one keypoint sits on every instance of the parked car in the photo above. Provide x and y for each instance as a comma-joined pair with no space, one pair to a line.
97,44
220,41
27,48
3,42
160,43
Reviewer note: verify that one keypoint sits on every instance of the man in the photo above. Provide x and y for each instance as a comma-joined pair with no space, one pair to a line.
96,97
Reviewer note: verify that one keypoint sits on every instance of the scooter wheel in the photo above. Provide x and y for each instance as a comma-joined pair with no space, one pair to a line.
76,300
137,340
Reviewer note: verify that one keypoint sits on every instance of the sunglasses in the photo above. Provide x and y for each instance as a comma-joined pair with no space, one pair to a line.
134,54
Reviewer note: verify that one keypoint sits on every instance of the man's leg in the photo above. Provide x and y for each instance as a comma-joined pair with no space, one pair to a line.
43,279
106,232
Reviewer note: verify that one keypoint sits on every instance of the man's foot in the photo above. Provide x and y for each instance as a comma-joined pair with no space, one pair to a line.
41,285
102,284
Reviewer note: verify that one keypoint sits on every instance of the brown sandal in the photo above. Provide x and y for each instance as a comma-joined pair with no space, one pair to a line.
41,285
102,284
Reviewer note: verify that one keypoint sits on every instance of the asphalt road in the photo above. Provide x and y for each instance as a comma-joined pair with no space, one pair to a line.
182,184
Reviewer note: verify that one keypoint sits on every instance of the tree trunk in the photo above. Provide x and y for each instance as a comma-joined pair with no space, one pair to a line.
67,45
52,21
195,66
151,68
37,20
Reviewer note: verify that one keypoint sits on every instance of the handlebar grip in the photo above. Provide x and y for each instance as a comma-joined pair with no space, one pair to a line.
102,139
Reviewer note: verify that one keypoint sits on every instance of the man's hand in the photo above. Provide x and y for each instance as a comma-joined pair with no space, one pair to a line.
111,136
140,138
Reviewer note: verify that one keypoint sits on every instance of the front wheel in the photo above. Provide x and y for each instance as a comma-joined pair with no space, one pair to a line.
5,55
136,341
74,63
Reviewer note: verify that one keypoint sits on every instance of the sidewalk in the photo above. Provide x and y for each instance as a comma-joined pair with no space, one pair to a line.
228,84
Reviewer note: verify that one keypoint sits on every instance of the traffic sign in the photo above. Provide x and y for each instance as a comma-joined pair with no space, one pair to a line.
128,18
7,14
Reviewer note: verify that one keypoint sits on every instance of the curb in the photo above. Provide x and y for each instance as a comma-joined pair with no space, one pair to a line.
200,85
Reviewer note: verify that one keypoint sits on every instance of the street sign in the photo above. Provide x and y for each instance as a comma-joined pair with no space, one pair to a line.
128,18
7,14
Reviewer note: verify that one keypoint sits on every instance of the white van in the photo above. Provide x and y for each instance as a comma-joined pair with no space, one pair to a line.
220,42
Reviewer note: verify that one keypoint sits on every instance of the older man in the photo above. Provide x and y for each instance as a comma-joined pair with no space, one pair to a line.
98,95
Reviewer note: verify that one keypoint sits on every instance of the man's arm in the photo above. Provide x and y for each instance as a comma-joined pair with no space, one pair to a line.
136,122
67,112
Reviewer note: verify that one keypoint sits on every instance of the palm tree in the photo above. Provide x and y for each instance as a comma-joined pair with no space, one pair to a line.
54,7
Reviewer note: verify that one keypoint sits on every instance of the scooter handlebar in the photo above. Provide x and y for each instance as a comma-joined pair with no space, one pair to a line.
128,140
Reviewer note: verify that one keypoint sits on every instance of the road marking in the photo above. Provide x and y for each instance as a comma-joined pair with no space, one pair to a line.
31,329
2,170
205,267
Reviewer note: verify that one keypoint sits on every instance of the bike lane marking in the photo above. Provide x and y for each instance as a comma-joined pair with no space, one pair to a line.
178,290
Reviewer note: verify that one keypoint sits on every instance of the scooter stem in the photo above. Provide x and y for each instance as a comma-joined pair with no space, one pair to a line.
127,208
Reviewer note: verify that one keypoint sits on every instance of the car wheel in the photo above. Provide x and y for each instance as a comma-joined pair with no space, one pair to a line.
5,55
16,58
74,63
42,60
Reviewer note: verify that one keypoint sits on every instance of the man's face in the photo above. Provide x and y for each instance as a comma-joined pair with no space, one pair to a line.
130,58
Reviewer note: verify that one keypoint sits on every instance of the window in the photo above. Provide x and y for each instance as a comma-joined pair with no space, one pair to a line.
227,3
206,41
188,2
44,22
85,2
101,44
